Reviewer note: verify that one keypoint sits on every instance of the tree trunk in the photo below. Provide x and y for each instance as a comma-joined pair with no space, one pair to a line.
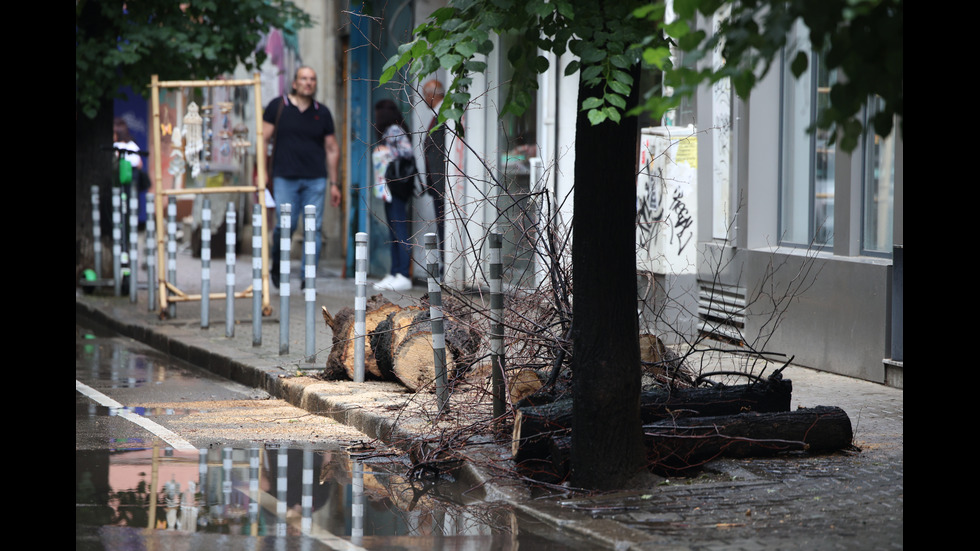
606,361
92,167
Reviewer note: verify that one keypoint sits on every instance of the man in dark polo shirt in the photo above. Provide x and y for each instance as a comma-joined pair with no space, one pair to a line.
304,163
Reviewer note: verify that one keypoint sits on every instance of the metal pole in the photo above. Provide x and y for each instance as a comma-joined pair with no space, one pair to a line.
257,275
282,468
285,219
133,244
116,239
360,303
436,320
306,522
496,325
253,489
230,271
310,249
151,254
96,232
206,263
357,507
172,250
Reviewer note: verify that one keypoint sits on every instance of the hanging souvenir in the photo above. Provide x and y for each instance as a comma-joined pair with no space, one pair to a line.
193,139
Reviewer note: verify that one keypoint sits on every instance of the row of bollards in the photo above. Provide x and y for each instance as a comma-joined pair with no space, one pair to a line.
309,282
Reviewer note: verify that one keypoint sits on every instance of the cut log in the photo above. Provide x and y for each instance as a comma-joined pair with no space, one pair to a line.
534,425
342,352
413,362
388,335
676,445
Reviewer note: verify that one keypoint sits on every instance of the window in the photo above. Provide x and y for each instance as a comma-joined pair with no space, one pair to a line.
806,205
879,189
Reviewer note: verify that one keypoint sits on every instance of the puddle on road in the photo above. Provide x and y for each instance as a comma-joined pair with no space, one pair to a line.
270,491
317,494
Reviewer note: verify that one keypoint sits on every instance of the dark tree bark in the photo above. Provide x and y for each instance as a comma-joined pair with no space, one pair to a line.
536,426
92,167
678,445
606,359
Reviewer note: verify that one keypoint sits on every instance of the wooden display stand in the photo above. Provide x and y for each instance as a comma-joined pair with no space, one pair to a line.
169,292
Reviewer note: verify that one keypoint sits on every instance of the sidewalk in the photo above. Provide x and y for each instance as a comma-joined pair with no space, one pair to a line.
849,500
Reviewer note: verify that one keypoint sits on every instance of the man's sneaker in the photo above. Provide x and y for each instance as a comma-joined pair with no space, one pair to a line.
396,283
385,283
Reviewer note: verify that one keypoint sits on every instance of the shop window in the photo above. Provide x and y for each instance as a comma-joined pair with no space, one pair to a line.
879,190
806,215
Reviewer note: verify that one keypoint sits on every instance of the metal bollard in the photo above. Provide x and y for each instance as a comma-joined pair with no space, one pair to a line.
306,522
116,242
285,222
206,263
436,319
134,204
253,488
309,247
230,239
172,250
151,253
360,303
282,478
496,325
257,275
357,507
96,232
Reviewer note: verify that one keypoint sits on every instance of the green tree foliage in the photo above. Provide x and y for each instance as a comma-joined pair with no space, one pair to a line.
123,43
607,39
862,38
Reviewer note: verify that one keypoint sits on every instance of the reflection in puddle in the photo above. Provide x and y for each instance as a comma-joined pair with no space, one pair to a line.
272,492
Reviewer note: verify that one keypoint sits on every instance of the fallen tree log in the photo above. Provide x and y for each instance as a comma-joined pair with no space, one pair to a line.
341,357
676,445
388,335
412,358
534,425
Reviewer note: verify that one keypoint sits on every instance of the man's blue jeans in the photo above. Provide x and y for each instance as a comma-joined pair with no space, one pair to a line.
298,193
401,249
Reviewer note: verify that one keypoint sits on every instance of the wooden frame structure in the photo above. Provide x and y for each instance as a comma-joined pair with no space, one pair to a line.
159,196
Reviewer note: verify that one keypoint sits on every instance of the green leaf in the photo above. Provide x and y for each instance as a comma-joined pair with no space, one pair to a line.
799,65
541,64
656,56
677,29
619,88
616,100
572,68
591,72
592,103
612,113
466,49
596,116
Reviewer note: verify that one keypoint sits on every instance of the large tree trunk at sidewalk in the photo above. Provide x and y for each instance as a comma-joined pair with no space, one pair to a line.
606,372
92,167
